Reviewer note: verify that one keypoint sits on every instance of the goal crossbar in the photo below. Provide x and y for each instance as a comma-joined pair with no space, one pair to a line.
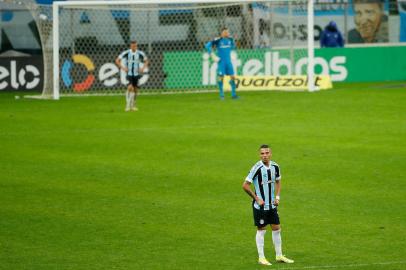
143,2
72,4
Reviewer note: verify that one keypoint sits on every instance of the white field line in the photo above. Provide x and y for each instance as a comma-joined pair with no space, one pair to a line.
315,266
343,265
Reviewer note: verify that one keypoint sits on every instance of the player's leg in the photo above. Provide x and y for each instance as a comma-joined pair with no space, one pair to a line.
220,78
134,94
128,94
220,84
259,222
230,71
134,99
233,87
259,240
277,238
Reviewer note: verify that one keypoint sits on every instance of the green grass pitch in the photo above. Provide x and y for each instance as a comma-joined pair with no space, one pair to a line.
84,185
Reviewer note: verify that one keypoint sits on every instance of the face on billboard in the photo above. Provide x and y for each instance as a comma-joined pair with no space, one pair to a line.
368,19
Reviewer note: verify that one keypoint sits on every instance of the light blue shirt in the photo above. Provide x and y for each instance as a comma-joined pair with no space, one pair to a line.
132,60
264,179
224,48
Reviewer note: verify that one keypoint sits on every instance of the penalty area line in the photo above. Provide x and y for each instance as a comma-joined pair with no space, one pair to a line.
342,265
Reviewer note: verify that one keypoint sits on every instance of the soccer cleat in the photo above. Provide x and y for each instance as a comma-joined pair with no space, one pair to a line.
264,261
283,259
134,109
127,109
235,97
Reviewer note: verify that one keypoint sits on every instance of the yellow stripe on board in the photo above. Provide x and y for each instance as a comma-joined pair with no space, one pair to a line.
282,83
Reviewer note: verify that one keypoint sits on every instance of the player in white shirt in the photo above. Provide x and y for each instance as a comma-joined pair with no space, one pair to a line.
134,62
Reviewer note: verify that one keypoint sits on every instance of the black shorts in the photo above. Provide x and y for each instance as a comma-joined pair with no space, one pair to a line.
265,217
133,80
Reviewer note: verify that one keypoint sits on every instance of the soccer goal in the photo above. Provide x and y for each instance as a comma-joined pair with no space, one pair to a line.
272,38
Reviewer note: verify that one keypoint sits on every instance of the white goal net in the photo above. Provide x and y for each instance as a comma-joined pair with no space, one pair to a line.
82,39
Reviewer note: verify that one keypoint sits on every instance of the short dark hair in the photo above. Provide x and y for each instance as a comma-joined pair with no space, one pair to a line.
133,42
224,28
264,146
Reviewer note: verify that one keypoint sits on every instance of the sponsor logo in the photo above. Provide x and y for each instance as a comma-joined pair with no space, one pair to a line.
67,66
85,72
274,64
285,83
17,74
267,181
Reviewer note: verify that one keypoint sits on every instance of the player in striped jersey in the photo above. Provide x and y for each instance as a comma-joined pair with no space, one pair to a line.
134,62
265,175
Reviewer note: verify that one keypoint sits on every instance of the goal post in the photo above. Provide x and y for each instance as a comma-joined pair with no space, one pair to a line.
55,55
87,36
310,45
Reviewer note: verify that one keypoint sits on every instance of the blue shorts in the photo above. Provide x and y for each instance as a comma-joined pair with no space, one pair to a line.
225,68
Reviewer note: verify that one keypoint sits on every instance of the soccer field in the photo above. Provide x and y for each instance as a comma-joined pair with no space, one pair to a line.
85,185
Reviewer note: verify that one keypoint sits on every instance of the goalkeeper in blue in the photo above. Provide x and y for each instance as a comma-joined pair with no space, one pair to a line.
224,46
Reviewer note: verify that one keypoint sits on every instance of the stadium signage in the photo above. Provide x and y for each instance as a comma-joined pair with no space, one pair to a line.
21,73
273,64
107,75
284,83
18,29
353,64
272,28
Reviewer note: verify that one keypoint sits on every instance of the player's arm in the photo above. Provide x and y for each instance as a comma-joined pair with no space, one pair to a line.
209,47
278,178
246,186
277,191
145,66
233,46
119,64
233,53
145,61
